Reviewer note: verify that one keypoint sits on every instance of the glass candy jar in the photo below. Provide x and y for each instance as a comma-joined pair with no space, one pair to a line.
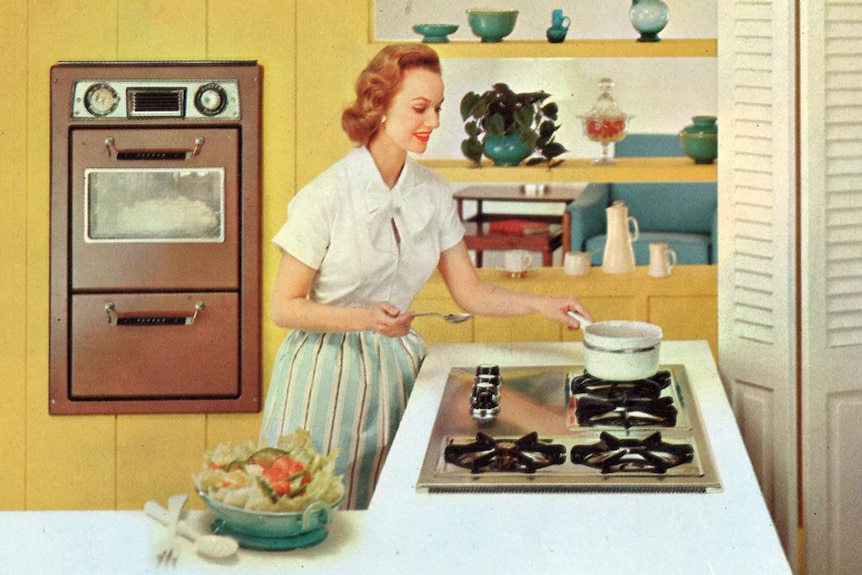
605,122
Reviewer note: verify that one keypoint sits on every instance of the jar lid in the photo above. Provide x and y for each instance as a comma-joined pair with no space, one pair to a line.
606,106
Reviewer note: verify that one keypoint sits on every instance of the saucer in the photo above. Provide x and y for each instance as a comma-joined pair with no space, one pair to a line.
515,274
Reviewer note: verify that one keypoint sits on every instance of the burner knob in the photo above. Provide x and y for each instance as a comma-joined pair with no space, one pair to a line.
487,369
210,99
488,374
484,401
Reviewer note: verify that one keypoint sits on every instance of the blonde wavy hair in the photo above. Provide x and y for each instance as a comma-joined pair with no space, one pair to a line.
377,85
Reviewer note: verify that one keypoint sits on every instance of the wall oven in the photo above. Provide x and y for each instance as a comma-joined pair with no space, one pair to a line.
155,237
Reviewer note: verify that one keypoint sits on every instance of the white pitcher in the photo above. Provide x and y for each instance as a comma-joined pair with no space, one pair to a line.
619,257
662,260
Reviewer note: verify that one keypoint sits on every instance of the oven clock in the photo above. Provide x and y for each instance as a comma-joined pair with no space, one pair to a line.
101,99
211,99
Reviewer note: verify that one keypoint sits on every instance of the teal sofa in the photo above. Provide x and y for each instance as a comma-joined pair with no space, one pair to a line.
681,214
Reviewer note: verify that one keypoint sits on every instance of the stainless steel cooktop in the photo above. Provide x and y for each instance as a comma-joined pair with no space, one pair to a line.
594,448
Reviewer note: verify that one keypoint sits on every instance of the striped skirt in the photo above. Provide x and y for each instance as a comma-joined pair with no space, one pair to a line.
349,390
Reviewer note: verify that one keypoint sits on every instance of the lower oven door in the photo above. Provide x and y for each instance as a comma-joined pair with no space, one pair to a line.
150,346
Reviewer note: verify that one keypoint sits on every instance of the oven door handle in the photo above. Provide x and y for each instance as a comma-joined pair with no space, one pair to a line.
152,153
115,318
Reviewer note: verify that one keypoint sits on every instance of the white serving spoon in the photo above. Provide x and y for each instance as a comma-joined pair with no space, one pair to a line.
450,317
581,319
215,546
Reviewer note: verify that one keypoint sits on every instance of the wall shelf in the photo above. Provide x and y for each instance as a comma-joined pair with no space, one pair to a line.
578,170
669,48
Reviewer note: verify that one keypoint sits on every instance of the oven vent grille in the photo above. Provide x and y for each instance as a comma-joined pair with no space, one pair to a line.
156,103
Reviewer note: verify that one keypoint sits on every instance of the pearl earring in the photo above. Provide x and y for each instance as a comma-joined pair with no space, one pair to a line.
383,119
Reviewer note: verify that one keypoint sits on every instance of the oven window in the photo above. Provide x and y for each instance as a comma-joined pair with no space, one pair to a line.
154,205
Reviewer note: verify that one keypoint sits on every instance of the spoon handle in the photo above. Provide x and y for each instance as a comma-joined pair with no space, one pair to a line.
160,514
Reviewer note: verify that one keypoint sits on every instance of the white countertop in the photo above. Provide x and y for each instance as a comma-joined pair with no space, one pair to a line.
408,532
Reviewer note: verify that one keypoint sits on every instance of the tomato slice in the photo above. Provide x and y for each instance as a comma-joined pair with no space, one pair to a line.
282,474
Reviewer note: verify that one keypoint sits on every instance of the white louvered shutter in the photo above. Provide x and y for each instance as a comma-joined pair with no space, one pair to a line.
831,282
757,249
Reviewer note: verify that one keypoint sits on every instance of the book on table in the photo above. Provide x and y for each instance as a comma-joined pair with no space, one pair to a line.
521,227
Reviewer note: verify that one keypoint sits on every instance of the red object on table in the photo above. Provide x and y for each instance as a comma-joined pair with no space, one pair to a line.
481,236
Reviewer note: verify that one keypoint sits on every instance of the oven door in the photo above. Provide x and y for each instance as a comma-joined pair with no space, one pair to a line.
148,346
155,209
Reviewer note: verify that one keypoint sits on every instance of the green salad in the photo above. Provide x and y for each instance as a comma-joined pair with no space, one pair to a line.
283,478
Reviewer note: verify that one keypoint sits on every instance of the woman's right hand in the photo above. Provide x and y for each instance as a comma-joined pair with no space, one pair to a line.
386,319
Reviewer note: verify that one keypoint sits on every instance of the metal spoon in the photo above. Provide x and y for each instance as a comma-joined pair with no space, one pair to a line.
450,317
215,546
581,319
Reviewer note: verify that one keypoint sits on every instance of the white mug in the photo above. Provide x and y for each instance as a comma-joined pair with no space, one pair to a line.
662,259
576,263
518,261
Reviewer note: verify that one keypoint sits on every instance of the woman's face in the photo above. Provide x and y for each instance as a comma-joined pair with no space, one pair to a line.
415,110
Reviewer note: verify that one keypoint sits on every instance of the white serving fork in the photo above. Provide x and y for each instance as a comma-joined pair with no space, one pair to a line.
168,549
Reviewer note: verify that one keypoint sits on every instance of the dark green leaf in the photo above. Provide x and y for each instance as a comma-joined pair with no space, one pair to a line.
467,104
529,138
551,110
472,128
472,149
524,117
495,125
547,129
553,150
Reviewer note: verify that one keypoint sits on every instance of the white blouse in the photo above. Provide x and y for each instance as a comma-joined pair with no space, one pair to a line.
340,224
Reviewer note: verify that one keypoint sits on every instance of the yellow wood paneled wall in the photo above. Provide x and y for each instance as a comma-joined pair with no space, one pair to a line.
311,52
106,462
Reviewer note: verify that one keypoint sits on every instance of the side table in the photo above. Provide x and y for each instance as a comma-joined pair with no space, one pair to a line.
480,239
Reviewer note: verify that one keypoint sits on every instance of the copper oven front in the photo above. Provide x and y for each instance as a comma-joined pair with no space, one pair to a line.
155,227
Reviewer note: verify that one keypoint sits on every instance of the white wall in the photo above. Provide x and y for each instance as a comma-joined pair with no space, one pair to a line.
661,93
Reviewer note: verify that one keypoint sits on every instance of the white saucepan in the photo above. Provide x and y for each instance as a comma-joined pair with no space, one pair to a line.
620,350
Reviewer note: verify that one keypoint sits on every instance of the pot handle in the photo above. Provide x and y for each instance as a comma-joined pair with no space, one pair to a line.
317,505
581,319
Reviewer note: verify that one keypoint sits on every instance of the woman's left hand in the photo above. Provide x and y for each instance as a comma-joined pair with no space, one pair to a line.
386,319
557,310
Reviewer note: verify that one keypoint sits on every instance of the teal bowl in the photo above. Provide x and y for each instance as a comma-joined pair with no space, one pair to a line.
435,33
702,147
269,525
492,25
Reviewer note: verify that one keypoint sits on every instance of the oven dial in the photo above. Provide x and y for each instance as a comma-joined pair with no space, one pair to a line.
210,99
101,99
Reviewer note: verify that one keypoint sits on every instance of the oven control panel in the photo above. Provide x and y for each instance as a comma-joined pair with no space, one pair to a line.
156,99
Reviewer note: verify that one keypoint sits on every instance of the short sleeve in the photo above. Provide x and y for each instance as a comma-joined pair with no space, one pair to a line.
306,233
451,228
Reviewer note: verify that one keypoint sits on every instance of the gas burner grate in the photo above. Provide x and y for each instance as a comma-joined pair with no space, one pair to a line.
648,388
650,454
523,455
623,403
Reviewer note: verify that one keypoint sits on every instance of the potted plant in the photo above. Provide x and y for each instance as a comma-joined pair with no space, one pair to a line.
508,127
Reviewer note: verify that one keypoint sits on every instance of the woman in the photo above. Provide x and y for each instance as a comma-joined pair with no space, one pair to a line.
360,241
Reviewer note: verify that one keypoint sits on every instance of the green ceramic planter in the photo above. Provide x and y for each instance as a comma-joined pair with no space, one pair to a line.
700,139
506,150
